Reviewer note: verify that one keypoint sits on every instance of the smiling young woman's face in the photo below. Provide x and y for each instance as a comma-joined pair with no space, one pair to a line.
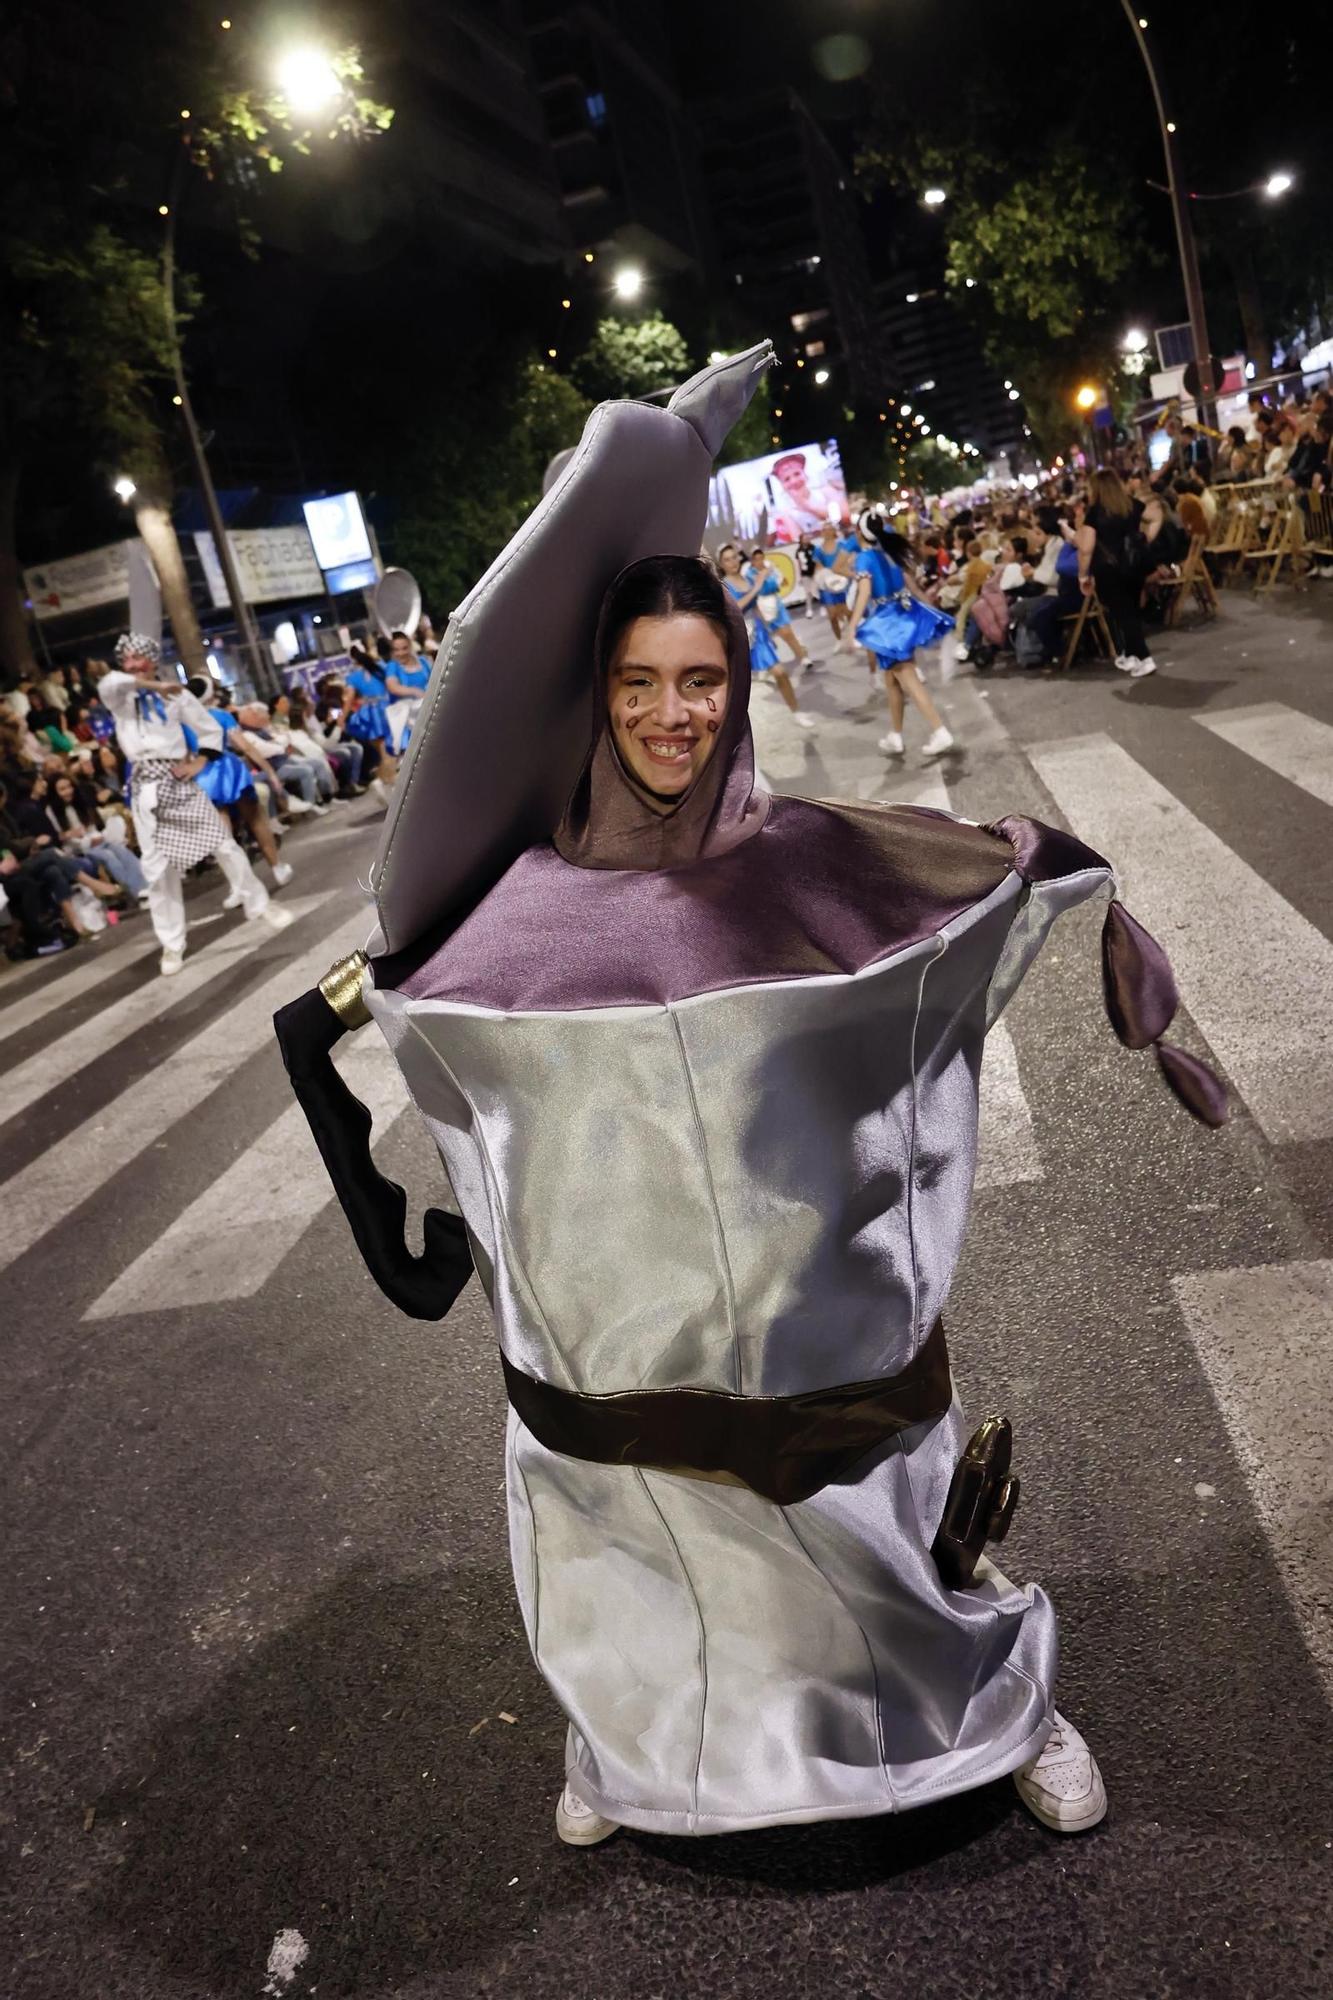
667,695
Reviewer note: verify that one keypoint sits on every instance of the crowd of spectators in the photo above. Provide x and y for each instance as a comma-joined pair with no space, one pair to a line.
1015,566
69,864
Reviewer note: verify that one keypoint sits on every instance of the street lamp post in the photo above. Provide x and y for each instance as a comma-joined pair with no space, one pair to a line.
261,669
1189,254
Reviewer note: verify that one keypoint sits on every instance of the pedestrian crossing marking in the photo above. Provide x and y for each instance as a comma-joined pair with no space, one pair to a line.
33,1005
1297,747
1264,1337
61,1058
228,1243
1246,962
81,1163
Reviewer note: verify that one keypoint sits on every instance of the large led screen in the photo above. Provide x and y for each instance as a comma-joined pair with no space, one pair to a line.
780,497
338,530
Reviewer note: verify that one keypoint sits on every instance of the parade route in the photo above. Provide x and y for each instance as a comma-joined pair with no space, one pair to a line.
272,1723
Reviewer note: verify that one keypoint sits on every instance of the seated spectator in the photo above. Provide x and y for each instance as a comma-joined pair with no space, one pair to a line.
74,818
345,756
1309,458
1233,458
306,782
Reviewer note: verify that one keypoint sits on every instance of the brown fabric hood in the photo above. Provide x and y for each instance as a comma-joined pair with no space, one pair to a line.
612,821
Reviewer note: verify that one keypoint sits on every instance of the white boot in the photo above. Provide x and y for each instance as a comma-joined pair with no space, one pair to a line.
891,743
1063,1787
170,963
282,873
578,1824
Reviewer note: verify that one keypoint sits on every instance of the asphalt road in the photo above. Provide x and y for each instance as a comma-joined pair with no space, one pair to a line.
271,1722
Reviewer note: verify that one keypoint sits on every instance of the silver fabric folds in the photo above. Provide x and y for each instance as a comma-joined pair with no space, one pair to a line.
761,1189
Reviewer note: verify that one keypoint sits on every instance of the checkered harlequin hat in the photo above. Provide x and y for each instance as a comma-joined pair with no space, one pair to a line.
137,642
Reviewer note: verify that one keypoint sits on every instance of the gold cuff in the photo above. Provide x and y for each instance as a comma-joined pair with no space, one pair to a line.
341,987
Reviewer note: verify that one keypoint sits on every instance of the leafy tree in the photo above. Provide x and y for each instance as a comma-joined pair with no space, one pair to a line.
475,471
90,326
632,358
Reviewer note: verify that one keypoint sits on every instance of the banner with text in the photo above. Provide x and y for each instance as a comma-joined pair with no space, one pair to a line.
271,563
79,583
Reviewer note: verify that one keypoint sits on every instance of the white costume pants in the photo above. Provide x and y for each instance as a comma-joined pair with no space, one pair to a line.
166,893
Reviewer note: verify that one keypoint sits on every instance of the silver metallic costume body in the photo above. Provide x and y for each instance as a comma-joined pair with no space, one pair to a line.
763,1189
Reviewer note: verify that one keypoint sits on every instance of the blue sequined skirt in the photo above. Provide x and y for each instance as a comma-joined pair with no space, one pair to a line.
894,629
370,722
225,778
763,653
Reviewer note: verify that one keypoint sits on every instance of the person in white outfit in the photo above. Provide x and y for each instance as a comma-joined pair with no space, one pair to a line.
176,825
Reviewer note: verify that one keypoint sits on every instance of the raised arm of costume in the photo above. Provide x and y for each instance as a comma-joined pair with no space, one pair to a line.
307,1031
116,692
1138,984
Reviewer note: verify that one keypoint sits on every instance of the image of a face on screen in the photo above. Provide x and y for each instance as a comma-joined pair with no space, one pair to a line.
338,530
785,495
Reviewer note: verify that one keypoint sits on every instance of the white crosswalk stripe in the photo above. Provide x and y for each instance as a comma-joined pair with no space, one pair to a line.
1264,1337
86,1158
227,1244
1298,747
101,1033
94,967
1246,962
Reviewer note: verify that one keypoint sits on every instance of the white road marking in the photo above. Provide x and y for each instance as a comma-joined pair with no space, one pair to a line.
1265,1340
287,1954
90,971
1246,962
86,1159
1007,1150
103,1033
228,1243
1296,746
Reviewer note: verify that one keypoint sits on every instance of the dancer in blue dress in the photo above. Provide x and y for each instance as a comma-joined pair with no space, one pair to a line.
832,584
228,781
369,722
769,608
407,677
890,622
763,653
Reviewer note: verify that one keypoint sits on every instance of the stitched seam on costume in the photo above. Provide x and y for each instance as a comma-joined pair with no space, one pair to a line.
513,1262
703,1638
1001,1765
532,1537
719,1233
870,1654
911,1151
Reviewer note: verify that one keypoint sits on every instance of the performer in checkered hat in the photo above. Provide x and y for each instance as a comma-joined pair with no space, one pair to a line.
174,821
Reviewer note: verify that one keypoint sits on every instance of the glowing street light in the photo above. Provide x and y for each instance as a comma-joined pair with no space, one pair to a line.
124,488
1087,397
1277,184
934,197
1135,341
628,282
1013,395
307,79
821,375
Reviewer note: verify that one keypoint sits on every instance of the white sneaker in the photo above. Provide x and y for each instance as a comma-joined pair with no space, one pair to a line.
379,791
1138,668
275,916
579,1824
961,652
319,810
1063,1787
170,963
282,873
1123,663
233,901
802,720
296,807
937,743
891,744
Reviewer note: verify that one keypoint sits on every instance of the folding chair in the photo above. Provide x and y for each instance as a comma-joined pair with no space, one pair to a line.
1088,622
1193,581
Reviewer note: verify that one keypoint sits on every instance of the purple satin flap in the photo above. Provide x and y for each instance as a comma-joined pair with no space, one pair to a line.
1141,996
1194,1084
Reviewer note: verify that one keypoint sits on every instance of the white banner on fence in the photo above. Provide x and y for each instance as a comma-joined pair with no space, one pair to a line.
271,563
79,583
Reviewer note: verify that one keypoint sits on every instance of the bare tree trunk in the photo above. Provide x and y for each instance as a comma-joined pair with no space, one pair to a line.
1251,304
16,660
152,517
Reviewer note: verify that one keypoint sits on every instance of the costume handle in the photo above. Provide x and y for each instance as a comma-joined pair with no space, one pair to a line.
424,1286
